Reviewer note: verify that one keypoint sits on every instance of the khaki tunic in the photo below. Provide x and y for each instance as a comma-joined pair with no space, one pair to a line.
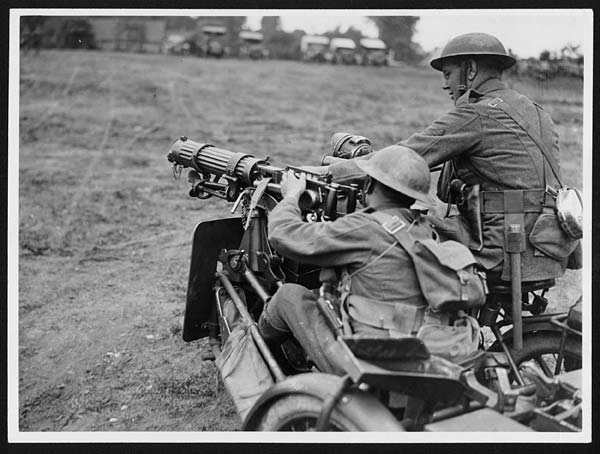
489,148
381,270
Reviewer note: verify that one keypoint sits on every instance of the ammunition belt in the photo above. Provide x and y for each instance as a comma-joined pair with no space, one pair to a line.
515,201
404,317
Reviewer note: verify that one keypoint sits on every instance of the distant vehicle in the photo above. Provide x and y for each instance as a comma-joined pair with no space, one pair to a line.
252,45
373,51
314,48
178,44
342,50
212,41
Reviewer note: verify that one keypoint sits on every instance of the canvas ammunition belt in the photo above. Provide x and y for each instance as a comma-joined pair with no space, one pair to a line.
404,317
515,201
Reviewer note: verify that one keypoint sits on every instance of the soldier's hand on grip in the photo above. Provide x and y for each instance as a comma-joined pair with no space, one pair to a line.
293,185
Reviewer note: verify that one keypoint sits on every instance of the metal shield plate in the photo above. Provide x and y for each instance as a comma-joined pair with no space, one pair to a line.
209,239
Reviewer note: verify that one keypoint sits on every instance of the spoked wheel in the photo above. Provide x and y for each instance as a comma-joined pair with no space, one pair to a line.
543,350
300,413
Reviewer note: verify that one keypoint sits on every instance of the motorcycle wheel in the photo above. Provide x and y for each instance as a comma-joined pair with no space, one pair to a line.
300,413
543,350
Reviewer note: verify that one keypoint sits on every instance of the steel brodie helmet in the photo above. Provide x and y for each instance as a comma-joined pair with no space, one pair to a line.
473,44
401,169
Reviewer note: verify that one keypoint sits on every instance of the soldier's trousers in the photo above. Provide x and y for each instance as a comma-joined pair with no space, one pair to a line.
293,311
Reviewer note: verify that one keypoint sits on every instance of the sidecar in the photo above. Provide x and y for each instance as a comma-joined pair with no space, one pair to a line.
390,384
417,392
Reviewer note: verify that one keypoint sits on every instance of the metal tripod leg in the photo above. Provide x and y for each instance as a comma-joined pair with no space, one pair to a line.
511,361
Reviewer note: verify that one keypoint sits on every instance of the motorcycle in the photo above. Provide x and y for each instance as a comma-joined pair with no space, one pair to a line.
389,384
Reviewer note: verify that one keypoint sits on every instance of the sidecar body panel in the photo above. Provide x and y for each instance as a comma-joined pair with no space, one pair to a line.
483,420
209,239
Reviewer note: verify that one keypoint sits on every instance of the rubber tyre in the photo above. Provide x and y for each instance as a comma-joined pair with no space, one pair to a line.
299,413
549,344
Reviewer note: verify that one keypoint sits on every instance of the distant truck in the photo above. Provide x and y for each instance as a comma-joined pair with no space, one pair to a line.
179,44
342,50
212,41
314,48
252,45
373,51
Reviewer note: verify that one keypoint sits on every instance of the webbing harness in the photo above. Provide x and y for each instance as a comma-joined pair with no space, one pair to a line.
392,225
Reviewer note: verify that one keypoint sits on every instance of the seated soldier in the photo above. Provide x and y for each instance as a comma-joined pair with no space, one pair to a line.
385,297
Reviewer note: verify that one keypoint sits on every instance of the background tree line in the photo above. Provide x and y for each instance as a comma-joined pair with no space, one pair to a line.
396,31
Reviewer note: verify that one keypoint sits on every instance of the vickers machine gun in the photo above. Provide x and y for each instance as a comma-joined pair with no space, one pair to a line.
254,186
234,272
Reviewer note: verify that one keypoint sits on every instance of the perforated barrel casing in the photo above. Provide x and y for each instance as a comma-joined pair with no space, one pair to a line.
206,158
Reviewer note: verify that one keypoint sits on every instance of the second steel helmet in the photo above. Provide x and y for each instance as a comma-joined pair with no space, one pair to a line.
401,169
475,44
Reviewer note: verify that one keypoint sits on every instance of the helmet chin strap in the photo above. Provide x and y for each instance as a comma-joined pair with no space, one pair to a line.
367,188
462,78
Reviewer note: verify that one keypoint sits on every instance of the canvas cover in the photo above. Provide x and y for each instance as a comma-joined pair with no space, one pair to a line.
243,369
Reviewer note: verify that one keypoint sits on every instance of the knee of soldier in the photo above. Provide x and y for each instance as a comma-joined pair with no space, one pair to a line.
288,297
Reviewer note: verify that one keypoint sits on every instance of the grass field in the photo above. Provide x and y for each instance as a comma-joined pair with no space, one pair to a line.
105,230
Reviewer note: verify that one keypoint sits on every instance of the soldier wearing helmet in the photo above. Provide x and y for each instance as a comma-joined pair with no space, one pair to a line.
383,294
502,148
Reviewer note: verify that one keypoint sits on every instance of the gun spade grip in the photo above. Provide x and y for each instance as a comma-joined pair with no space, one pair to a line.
330,212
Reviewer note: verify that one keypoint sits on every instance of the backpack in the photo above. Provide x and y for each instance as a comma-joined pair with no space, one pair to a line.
447,272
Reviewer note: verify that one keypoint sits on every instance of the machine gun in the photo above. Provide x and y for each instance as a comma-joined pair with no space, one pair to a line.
241,246
242,178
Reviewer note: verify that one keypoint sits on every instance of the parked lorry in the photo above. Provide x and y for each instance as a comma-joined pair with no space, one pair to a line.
342,50
252,45
314,48
212,41
373,51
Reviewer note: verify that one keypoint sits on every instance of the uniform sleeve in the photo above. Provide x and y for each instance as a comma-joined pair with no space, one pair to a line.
448,137
455,133
347,172
336,243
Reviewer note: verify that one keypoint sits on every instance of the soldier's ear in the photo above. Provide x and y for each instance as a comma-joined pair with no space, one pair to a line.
471,69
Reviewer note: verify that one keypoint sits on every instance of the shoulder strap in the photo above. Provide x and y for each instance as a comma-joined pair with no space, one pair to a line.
518,118
397,228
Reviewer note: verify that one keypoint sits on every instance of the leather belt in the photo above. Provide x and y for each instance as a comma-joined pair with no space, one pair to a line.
533,200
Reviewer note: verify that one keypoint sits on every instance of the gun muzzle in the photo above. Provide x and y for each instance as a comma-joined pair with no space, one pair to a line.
206,158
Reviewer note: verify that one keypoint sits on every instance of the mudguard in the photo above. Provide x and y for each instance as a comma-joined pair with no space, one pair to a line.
361,408
209,239
528,328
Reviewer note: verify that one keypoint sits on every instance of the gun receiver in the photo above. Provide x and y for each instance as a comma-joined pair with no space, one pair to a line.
227,175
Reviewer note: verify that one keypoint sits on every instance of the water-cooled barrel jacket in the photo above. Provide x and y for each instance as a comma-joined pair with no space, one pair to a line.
354,240
489,148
